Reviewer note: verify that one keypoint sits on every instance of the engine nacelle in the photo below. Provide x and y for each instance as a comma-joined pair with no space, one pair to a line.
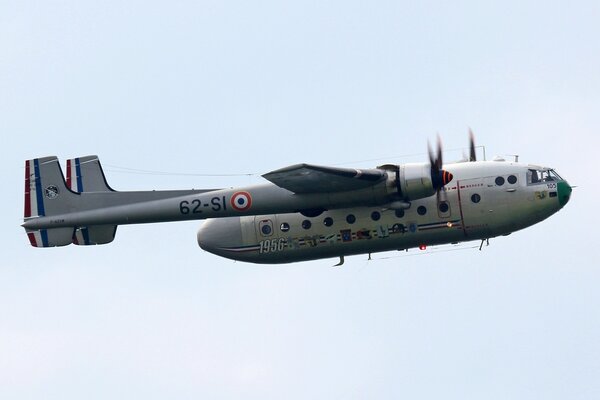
415,181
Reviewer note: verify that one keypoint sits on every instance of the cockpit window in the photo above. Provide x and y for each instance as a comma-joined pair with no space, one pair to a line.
556,175
541,176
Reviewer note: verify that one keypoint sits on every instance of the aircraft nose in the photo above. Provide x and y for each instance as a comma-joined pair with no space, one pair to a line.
219,236
564,193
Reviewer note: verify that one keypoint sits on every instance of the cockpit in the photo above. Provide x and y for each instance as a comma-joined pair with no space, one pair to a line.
542,175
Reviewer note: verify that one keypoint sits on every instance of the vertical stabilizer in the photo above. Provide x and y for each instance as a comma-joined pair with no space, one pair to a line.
85,174
46,194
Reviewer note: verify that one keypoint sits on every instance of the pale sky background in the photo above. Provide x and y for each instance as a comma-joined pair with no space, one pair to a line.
222,87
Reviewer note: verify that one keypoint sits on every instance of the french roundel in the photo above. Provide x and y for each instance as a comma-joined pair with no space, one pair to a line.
241,201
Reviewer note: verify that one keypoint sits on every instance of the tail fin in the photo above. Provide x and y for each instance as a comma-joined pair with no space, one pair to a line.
46,194
84,174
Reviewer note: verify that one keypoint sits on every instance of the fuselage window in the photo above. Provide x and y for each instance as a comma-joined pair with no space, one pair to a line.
350,219
306,224
328,221
399,213
444,207
422,210
284,227
512,179
499,181
375,215
266,230
475,198
555,174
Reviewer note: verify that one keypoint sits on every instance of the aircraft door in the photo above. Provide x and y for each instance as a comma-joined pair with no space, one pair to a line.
500,193
474,207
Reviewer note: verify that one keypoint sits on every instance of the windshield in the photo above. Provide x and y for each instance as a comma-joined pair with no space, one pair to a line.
542,175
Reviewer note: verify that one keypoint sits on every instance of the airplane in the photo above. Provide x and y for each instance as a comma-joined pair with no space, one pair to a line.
305,212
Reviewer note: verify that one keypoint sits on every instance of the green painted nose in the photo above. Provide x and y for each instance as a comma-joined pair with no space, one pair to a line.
564,193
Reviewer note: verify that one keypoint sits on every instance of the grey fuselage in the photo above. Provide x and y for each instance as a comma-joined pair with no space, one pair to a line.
323,212
484,200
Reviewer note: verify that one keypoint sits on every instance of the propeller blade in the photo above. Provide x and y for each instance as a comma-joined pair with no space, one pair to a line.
439,177
438,161
472,155
431,156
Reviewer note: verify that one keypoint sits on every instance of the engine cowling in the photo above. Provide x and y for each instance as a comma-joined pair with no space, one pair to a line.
416,180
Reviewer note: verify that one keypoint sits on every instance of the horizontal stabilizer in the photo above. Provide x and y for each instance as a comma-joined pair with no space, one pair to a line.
50,237
98,234
306,178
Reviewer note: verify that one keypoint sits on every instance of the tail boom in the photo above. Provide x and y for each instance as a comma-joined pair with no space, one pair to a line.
83,209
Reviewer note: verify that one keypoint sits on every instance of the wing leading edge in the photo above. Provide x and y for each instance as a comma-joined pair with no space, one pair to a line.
306,178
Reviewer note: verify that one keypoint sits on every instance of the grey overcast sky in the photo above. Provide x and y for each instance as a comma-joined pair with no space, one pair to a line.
231,87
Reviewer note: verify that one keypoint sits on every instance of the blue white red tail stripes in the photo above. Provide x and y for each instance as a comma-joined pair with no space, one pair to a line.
34,201
34,198
74,178
38,238
27,213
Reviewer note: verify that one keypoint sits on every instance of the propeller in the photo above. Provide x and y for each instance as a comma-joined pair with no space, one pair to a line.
439,177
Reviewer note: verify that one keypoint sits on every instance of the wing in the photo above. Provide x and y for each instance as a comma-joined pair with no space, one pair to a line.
306,178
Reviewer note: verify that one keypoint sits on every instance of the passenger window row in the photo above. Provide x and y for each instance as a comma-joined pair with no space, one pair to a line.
351,218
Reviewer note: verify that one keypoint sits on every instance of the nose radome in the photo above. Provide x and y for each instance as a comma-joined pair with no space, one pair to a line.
218,235
564,193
